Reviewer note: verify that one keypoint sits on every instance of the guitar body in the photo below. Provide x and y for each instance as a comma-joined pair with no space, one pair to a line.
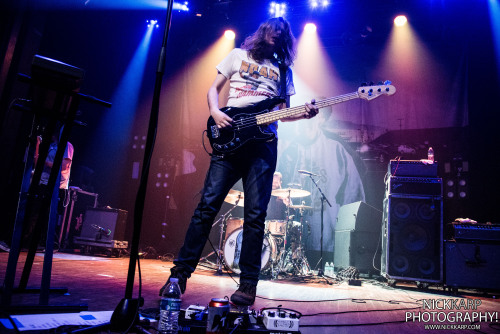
244,128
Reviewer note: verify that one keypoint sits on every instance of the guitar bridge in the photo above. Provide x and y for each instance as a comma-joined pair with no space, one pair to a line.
215,131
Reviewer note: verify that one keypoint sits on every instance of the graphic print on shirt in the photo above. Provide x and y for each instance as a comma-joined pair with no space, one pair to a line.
256,76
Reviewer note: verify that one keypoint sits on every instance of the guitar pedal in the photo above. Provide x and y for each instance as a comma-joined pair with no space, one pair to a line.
280,320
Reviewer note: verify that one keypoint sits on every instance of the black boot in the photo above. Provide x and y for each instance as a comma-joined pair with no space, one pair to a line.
245,295
180,274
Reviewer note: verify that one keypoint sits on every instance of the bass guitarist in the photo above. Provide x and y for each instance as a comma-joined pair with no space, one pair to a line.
254,75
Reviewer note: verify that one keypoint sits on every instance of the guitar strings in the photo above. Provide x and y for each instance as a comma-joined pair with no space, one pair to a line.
299,109
278,114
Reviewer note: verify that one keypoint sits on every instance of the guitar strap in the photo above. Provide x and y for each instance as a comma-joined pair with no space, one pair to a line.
283,69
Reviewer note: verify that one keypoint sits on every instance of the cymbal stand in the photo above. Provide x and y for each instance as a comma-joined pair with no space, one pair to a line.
303,266
222,220
323,200
289,256
279,264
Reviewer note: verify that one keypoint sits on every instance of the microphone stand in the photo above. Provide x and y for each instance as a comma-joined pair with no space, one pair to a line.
323,199
126,314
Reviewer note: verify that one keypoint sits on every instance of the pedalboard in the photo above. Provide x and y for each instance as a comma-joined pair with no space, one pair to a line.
193,320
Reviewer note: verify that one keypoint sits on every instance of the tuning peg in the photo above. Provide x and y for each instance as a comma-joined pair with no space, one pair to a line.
363,84
380,83
371,83
387,82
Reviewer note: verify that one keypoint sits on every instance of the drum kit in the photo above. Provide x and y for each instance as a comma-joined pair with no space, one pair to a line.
283,251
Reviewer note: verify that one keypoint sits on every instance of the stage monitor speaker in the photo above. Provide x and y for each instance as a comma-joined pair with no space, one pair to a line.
358,216
472,264
412,234
359,249
357,237
104,224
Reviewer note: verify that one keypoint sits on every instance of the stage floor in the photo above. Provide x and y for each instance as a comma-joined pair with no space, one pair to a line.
326,306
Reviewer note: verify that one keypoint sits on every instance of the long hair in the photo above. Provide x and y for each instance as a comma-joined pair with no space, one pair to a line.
256,45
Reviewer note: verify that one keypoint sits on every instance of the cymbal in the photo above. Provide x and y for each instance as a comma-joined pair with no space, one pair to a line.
235,197
300,206
289,192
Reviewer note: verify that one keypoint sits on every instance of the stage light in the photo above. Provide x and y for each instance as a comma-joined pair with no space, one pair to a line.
400,20
277,9
229,34
310,28
316,3
152,23
181,6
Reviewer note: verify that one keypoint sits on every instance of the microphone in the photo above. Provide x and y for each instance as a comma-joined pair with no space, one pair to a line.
102,230
306,172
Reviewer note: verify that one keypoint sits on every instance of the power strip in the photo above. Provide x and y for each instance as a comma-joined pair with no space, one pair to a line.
282,321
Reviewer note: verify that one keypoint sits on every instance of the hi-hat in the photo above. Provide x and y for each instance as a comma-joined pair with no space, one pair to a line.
289,192
235,197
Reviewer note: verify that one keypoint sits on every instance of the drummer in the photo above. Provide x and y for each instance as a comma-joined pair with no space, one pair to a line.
277,208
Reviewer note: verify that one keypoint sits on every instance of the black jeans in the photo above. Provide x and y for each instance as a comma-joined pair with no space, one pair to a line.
255,164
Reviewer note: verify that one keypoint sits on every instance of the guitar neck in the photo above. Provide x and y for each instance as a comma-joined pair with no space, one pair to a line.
276,115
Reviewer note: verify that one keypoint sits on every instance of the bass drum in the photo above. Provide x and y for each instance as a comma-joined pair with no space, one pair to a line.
232,251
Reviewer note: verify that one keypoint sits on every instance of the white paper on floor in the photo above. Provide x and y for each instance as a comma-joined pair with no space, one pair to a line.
29,322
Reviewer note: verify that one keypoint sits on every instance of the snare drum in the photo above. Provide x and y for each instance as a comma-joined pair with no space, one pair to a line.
276,227
232,251
232,224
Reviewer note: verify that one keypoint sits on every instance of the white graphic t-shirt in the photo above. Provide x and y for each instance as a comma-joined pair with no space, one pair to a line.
252,82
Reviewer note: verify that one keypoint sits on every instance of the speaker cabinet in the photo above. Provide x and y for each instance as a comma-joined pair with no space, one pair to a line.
412,234
472,264
357,235
104,224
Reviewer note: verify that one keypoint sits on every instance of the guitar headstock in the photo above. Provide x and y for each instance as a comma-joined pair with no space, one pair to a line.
372,92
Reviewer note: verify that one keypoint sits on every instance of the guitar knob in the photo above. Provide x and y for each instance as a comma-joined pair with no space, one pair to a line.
231,144
237,140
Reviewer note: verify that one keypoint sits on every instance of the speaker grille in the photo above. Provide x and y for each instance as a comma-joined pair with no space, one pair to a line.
412,235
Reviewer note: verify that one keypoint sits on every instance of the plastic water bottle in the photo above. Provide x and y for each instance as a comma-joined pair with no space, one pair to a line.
170,307
430,154
328,269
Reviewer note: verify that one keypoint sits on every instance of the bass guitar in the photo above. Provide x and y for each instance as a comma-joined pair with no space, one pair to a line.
250,123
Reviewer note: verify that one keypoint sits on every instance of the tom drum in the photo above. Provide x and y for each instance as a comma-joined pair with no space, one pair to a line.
276,227
232,224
